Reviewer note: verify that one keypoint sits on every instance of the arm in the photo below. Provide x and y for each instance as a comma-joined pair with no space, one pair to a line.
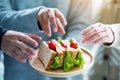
18,20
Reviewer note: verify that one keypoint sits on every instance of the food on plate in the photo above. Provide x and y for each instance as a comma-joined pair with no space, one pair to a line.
61,54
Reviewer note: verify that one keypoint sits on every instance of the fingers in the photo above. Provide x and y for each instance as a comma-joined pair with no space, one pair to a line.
24,47
50,15
61,17
97,37
91,29
22,53
17,57
43,25
52,18
103,39
94,32
46,22
27,39
23,50
60,27
97,33
35,37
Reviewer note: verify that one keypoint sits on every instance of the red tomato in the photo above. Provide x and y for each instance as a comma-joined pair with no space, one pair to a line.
64,45
74,45
52,45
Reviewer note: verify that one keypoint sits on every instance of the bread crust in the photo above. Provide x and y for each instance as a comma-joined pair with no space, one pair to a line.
46,55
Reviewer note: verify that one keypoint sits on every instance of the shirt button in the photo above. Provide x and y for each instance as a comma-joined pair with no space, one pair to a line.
105,57
104,78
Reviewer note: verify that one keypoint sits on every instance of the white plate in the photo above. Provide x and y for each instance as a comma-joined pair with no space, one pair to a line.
38,66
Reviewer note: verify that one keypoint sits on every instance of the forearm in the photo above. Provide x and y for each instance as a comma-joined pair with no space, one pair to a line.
20,20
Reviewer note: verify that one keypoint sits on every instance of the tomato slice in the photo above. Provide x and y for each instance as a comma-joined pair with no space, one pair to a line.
64,45
52,45
74,45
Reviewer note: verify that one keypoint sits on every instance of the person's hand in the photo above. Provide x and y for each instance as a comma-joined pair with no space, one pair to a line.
53,16
97,33
13,44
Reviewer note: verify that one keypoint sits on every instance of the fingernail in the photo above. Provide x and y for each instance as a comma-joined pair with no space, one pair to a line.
40,38
45,32
55,29
33,52
63,32
65,23
49,35
23,60
83,41
35,44
30,57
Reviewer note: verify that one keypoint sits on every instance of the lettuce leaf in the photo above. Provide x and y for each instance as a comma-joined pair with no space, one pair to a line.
69,62
80,59
56,63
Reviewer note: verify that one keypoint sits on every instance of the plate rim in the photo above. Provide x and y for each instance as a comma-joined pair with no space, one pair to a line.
69,73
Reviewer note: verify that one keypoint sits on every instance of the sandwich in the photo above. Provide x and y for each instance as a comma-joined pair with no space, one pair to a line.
60,54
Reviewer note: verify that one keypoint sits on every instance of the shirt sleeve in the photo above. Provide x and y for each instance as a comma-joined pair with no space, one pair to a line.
116,31
2,31
78,19
19,20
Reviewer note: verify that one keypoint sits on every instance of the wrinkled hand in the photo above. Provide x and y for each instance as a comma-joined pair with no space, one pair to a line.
53,16
97,33
13,44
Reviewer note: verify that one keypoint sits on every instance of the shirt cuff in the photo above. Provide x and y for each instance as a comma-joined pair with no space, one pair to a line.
116,31
39,26
2,32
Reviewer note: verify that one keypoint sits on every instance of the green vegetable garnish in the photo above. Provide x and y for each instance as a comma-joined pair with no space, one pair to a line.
59,40
69,62
80,59
56,63
72,39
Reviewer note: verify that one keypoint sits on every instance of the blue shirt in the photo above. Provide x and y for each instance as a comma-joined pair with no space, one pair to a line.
21,15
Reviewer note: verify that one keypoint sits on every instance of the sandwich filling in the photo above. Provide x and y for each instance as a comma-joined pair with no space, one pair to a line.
67,55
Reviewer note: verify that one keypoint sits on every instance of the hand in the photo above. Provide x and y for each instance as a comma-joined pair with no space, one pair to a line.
53,16
97,33
13,44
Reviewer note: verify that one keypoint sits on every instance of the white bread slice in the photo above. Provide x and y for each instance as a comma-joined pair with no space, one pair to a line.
59,51
46,55
72,51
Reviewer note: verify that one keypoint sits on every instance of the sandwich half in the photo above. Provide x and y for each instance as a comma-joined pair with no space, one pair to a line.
46,55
